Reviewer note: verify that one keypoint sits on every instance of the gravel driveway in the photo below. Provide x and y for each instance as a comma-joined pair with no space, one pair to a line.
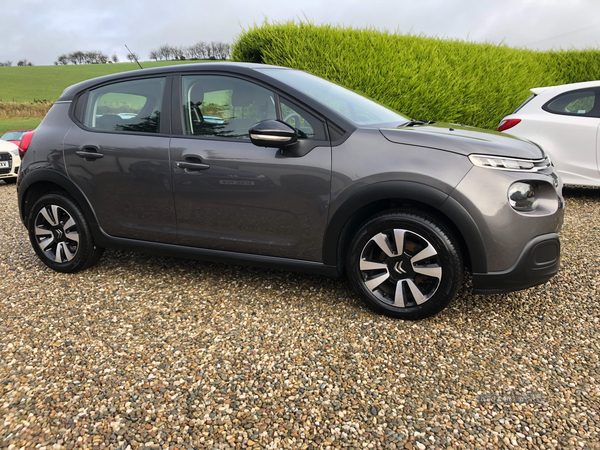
154,352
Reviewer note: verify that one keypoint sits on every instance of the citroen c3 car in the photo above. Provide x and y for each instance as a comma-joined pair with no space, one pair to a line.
274,167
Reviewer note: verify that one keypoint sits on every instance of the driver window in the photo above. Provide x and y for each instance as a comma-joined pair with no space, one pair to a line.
221,106
307,125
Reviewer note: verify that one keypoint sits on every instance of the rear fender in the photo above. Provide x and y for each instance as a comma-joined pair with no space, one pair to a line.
42,180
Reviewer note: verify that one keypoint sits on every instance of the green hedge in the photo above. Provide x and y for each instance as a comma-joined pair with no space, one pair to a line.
421,77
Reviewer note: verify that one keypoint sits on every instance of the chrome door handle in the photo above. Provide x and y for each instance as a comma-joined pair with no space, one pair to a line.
192,165
89,153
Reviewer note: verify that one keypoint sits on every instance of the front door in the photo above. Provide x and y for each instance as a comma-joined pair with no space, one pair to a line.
231,195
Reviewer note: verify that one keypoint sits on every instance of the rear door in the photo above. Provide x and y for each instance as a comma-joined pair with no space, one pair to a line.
231,195
118,155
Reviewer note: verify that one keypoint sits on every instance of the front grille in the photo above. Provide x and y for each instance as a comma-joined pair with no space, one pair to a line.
5,156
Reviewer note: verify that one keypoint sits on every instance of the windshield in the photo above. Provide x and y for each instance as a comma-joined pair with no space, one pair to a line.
12,136
351,105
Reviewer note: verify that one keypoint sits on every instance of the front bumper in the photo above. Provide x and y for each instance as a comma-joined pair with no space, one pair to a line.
13,163
538,262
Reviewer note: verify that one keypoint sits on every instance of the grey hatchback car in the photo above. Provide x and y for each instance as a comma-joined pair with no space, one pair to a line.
274,167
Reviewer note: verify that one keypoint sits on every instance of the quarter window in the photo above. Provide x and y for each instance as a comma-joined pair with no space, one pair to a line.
307,125
133,106
221,106
573,103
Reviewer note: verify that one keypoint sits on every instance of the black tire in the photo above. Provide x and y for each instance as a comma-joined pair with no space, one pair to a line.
10,180
419,282
60,235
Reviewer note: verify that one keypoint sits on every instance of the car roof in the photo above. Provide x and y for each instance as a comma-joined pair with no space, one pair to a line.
244,68
567,87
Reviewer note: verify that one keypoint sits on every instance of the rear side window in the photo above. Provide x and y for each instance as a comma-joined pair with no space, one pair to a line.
579,103
133,106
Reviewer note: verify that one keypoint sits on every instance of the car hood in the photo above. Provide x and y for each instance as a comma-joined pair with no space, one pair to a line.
6,146
463,140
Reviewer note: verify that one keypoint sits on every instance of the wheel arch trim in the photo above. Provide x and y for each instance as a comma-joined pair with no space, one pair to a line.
342,219
38,176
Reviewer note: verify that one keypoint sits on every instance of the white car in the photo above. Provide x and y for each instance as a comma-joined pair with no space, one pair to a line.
9,161
565,121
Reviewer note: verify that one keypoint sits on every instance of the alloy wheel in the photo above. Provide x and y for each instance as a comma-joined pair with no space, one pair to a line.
400,267
56,233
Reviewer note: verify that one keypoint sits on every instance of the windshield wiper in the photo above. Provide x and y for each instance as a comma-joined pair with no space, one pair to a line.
413,122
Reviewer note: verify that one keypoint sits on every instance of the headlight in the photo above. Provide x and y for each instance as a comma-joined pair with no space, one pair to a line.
15,151
498,162
522,196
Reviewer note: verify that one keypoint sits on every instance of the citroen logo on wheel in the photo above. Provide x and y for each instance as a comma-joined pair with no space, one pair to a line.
399,268
59,234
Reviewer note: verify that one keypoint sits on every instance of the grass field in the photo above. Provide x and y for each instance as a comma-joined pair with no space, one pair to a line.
18,124
26,93
28,84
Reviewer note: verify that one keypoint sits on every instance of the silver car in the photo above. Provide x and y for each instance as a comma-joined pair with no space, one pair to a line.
268,166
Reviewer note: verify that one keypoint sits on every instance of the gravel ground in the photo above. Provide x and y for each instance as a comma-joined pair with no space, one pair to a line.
151,352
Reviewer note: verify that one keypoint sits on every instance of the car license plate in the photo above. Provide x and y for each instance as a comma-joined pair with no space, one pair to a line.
3,164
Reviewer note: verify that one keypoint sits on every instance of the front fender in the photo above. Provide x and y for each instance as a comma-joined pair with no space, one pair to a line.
458,217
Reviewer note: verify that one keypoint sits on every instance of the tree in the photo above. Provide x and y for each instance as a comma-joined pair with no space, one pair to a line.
76,57
200,50
196,51
115,58
221,50
178,53
165,52
210,51
63,60
132,57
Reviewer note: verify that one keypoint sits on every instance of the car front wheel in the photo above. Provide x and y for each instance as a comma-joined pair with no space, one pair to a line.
405,264
60,234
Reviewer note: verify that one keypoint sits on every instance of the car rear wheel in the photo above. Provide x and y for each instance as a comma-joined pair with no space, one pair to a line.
60,235
405,264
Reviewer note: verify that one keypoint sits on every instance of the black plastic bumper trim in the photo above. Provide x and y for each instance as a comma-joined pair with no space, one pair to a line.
538,262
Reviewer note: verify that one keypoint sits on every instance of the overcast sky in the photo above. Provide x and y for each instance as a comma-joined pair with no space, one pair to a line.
41,30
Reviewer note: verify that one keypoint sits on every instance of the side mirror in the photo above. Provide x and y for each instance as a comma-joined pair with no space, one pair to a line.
272,133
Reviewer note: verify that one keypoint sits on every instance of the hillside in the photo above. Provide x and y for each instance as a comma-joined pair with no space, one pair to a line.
26,93
36,83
